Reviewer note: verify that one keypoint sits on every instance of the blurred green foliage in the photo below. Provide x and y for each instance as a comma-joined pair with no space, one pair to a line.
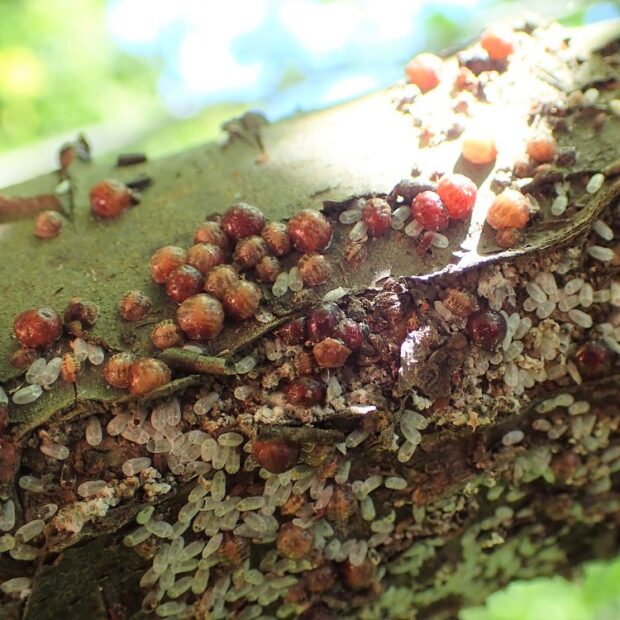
595,597
59,70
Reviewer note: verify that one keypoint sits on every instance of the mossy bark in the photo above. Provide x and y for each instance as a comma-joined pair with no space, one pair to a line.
322,160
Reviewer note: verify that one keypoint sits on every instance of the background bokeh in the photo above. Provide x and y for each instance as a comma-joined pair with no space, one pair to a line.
162,75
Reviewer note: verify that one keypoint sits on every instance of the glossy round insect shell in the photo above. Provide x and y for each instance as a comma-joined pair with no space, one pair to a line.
331,353
24,357
294,542
498,42
305,391
293,332
429,210
304,363
267,269
542,148
322,321
69,368
48,224
478,146
82,310
243,220
165,260
275,456
359,577
486,329
109,198
350,332
242,299
233,550
310,231
212,232
424,70
37,328
201,317
146,375
510,209
508,237
342,504
116,370
321,579
205,256
249,251
593,359
461,303
377,215
458,193
134,306
276,237
314,268
184,282
167,334
220,279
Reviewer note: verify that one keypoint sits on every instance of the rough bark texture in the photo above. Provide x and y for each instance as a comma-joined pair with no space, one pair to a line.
479,504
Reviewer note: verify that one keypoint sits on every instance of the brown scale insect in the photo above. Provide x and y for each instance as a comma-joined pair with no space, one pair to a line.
184,282
321,579
69,368
23,357
134,306
220,279
211,232
359,577
331,353
167,334
267,269
276,237
275,456
304,363
305,392
310,231
460,302
48,224
293,332
82,310
342,504
233,550
147,374
249,251
165,260
322,321
243,220
201,317
354,255
205,256
294,542
37,328
242,299
110,198
116,370
314,268
292,505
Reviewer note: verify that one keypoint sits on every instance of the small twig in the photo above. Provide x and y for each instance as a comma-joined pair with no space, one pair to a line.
197,362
